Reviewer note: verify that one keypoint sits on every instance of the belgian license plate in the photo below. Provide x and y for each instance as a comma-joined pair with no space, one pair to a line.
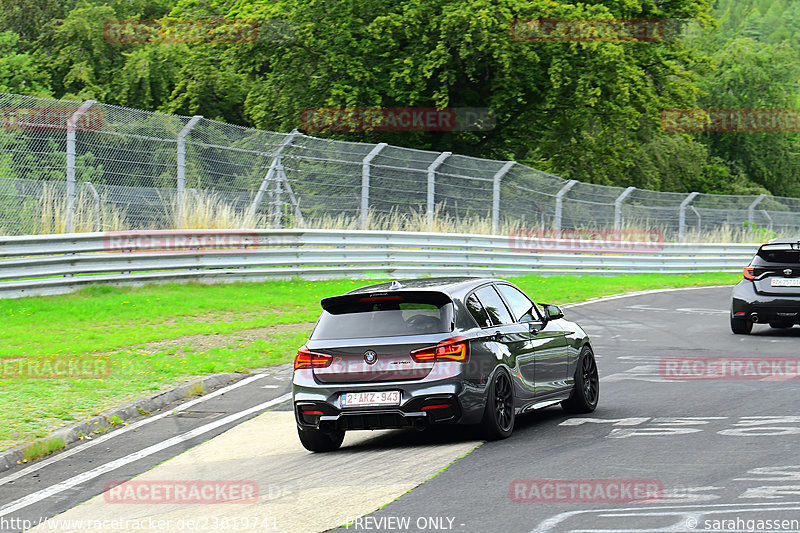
371,398
785,282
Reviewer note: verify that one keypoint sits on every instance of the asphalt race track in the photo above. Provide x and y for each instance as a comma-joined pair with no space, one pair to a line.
698,454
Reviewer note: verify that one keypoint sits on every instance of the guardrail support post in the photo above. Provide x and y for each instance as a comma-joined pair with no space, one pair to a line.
496,179
560,204
181,185
72,126
682,215
97,222
618,206
432,184
273,168
751,209
364,213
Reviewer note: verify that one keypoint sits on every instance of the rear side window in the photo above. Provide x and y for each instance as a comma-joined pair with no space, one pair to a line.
365,315
494,305
478,312
779,255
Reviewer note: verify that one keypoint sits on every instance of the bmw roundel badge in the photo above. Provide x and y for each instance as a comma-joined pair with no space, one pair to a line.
370,357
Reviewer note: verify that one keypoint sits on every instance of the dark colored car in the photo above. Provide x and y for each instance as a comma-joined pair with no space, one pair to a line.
434,351
770,290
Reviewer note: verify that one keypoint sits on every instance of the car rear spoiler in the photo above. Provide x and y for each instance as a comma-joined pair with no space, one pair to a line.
437,298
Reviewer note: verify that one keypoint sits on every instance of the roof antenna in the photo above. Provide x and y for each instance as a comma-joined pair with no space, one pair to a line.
395,285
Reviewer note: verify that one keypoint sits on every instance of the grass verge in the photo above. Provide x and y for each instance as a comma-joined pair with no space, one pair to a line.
156,336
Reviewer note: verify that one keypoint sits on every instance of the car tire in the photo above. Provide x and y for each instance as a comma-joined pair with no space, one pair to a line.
741,326
316,440
586,390
499,415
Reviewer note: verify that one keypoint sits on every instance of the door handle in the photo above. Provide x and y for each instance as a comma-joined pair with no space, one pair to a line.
498,336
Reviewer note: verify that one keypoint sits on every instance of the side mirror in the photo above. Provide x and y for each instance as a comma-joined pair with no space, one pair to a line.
552,312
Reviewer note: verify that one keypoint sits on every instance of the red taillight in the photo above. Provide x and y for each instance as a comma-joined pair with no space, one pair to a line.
308,359
453,349
437,406
312,412
748,272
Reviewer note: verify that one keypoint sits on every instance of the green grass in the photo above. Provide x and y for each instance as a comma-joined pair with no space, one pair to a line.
156,336
42,447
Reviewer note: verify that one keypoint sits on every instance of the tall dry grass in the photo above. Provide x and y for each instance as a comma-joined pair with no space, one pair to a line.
208,210
51,213
416,220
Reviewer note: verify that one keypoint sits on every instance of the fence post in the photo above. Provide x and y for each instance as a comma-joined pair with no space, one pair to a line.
97,223
496,195
273,168
768,217
276,205
699,218
181,187
618,206
432,184
560,204
751,210
682,215
72,126
364,213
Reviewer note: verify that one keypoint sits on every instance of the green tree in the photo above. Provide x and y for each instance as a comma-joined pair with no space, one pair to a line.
19,72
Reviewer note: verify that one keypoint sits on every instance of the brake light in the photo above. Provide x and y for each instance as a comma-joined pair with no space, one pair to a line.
437,406
453,349
748,272
305,358
380,298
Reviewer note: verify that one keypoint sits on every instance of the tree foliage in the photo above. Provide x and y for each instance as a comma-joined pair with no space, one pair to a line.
584,110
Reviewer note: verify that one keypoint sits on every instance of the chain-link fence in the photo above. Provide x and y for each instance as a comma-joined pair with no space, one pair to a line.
86,166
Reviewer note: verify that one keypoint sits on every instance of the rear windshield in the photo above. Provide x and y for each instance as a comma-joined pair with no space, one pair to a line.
366,315
780,254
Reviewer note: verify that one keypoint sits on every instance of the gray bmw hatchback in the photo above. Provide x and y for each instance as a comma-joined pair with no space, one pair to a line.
430,351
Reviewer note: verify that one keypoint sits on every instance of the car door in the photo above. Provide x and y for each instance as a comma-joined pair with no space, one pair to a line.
512,337
548,350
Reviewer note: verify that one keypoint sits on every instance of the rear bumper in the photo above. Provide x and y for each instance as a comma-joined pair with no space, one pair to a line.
746,302
421,414
421,404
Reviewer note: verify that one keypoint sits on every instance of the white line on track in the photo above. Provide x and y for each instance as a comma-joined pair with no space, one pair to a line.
640,293
122,461
136,425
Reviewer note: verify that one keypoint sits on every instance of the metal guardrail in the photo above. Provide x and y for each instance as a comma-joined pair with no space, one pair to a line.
51,264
